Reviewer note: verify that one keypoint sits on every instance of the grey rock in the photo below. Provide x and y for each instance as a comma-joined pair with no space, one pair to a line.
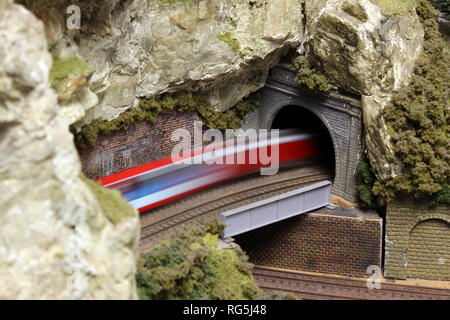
56,243
362,50
223,48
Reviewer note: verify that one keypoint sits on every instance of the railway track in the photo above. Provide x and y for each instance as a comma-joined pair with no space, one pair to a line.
317,286
157,225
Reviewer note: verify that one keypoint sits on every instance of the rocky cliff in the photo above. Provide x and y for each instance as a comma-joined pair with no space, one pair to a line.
61,237
370,48
144,48
392,54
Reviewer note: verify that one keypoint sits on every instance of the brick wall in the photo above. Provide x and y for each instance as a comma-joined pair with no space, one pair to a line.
321,242
417,241
140,143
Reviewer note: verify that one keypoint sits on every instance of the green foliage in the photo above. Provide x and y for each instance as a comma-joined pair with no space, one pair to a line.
230,40
441,5
309,76
192,266
149,109
63,68
366,181
442,197
419,116
113,206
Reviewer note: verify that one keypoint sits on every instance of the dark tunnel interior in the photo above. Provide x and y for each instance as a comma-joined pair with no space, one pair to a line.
293,116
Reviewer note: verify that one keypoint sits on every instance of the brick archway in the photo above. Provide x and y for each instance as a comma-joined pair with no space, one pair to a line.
402,217
341,116
428,251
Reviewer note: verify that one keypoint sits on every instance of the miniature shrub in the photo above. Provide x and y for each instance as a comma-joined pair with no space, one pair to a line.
149,109
192,266
442,197
419,117
310,76
366,180
113,206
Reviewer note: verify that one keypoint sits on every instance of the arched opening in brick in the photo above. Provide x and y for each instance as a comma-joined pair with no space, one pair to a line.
293,116
428,250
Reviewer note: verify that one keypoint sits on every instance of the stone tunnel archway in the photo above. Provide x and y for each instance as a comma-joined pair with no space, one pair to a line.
295,116
341,115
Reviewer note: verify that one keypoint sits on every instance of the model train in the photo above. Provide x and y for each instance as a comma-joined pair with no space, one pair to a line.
162,181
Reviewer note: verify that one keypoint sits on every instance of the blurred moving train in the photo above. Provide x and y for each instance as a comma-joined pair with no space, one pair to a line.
162,181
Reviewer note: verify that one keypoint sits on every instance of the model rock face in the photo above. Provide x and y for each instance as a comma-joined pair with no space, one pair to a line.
366,48
56,240
145,48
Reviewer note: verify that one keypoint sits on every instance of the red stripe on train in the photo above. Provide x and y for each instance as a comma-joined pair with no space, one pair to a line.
288,151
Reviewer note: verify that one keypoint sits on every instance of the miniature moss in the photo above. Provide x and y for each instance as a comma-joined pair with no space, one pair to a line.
230,40
310,76
113,206
149,109
64,68
419,118
191,265
392,7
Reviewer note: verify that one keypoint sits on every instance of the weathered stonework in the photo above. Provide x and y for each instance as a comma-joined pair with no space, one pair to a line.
417,243
341,116
333,241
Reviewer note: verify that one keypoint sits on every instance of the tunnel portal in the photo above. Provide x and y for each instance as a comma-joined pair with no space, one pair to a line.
296,117
283,104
